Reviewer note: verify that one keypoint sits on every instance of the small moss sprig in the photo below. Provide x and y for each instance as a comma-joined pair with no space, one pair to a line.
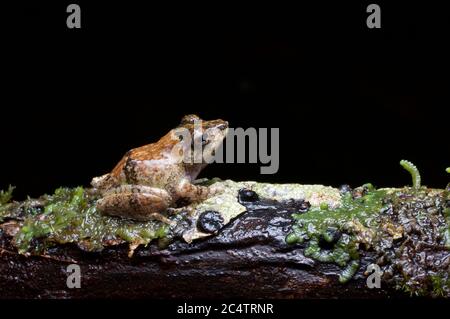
414,171
6,196
349,271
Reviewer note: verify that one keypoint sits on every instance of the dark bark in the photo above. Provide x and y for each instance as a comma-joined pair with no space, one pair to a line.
248,258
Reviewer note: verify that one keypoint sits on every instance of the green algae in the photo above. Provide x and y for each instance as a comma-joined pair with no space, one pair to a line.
70,216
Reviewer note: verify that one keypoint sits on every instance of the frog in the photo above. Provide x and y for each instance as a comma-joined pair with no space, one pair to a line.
157,178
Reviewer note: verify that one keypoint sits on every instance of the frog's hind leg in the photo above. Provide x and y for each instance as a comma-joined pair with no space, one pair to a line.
136,202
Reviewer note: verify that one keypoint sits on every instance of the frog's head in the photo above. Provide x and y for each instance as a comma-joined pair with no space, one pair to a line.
207,134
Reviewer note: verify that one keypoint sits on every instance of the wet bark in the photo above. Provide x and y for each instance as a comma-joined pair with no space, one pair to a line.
248,258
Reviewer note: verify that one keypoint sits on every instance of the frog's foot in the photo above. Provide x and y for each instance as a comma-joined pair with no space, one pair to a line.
103,182
136,202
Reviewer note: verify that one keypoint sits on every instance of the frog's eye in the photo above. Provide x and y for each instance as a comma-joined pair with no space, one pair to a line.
205,140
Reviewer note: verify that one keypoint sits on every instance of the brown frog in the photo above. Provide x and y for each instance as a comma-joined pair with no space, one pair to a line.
153,178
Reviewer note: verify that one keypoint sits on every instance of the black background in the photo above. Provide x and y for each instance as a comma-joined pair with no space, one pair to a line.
350,101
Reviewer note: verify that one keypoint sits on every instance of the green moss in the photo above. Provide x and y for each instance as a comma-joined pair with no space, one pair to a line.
349,271
293,238
343,228
440,283
369,186
391,223
5,199
329,234
414,171
6,196
70,216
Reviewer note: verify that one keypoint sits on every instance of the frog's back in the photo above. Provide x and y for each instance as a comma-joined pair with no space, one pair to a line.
156,151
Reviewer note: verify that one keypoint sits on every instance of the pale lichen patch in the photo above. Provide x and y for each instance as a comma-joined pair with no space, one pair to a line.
314,194
227,204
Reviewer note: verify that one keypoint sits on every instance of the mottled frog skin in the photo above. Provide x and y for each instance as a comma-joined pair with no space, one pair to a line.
151,179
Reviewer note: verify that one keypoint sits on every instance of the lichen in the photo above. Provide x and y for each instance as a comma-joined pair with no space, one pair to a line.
314,194
227,204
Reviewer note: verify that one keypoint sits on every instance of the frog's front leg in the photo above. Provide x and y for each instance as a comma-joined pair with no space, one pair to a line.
136,202
196,192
